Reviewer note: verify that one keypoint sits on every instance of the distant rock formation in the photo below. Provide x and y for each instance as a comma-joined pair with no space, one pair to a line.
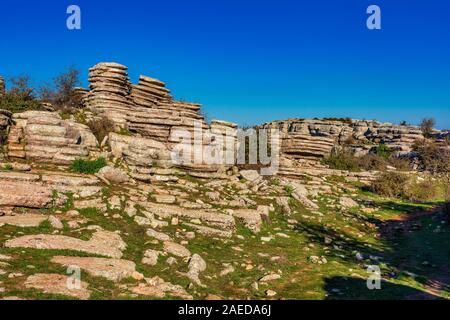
314,139
2,86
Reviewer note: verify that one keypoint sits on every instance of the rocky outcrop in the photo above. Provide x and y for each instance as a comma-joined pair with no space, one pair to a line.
44,136
304,142
26,194
111,269
104,243
5,122
110,92
57,284
2,86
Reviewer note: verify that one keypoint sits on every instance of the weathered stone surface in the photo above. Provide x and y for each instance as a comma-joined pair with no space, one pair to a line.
251,218
29,195
213,218
103,243
111,269
196,266
151,257
114,175
23,220
158,235
158,288
55,222
207,231
347,202
43,136
176,249
250,175
57,284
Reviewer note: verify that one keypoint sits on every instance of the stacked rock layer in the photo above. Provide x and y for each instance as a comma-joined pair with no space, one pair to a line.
44,137
110,92
2,86
148,110
309,140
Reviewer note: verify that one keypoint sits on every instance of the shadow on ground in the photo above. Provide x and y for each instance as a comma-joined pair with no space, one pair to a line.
413,246
356,289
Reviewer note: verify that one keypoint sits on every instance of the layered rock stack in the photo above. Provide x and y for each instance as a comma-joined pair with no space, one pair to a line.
156,114
110,90
44,137
313,139
2,87
229,142
148,110
147,159
5,122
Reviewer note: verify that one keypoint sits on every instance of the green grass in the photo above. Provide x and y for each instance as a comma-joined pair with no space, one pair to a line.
342,277
88,166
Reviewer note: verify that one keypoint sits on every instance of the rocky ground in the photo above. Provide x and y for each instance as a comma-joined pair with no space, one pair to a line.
244,237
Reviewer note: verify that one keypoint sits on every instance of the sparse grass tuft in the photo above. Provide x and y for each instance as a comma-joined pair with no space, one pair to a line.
88,166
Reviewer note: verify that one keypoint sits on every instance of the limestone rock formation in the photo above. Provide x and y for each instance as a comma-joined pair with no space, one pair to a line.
44,136
57,284
110,90
2,86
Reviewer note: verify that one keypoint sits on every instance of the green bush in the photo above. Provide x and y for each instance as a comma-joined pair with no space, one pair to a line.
21,97
101,128
433,157
379,160
343,160
390,184
383,151
423,191
88,166
402,186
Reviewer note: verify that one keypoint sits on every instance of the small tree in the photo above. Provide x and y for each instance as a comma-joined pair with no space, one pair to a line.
20,97
427,126
62,94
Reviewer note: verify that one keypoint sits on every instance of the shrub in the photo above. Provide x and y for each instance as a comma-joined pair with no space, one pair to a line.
399,185
427,125
372,162
342,160
433,157
61,94
383,151
87,166
390,184
422,191
20,97
101,128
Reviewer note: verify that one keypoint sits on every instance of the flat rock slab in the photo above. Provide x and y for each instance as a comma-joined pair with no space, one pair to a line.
104,243
25,194
57,284
19,176
158,288
70,180
23,220
176,249
111,269
214,218
251,218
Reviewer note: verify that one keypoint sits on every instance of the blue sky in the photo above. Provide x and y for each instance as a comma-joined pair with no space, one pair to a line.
251,61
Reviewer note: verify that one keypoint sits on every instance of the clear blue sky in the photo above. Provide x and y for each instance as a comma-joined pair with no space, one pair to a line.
251,61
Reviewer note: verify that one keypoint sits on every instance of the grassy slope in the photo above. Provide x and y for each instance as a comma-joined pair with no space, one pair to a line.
343,276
